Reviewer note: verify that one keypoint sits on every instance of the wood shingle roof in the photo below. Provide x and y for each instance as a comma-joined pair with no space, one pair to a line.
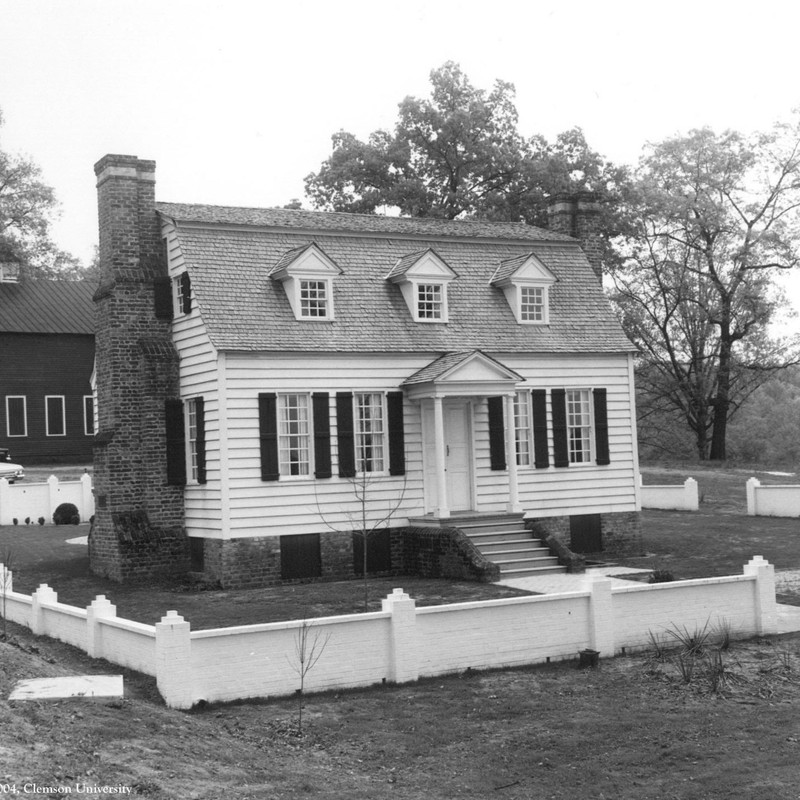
229,253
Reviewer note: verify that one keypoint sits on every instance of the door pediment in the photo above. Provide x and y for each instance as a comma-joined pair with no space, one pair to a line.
470,374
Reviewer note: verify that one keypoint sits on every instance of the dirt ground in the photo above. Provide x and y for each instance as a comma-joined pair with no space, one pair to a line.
630,729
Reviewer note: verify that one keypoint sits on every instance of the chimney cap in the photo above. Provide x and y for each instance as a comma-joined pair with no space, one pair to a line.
122,165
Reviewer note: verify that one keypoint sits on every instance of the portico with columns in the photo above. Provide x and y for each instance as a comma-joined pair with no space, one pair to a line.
448,391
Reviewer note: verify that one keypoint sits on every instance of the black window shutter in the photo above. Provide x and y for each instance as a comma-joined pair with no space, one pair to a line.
322,434
497,434
200,441
162,296
397,436
560,446
176,443
541,454
345,435
601,427
186,292
268,435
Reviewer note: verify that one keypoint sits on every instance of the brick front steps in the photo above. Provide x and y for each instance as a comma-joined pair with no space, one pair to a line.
504,540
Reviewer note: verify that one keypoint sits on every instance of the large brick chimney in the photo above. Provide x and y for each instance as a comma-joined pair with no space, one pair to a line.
138,524
578,215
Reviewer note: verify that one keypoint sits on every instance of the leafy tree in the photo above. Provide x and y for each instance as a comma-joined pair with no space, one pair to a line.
714,218
27,206
459,154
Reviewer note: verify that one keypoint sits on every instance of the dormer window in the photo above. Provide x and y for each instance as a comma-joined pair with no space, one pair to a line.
423,278
526,283
307,275
430,301
314,299
531,303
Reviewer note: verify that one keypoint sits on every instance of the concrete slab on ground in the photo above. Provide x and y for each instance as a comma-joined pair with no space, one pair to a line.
88,686
569,582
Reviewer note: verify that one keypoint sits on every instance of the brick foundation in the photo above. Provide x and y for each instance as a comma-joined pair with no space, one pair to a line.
424,552
621,533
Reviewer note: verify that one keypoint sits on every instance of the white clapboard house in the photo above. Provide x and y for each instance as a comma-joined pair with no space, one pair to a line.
417,373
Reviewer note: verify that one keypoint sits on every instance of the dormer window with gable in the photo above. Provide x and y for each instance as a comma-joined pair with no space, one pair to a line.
307,275
526,283
423,278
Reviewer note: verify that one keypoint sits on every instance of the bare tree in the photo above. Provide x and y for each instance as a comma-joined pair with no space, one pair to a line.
308,649
717,217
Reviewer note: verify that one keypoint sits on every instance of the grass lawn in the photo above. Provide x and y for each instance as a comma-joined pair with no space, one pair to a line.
631,729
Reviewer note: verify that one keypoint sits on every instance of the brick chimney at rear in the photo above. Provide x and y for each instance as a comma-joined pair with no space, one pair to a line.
578,215
138,524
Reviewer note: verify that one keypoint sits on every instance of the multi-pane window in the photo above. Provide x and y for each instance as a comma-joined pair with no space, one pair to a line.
430,301
191,440
16,416
54,415
370,438
183,294
313,299
531,303
294,434
579,425
522,428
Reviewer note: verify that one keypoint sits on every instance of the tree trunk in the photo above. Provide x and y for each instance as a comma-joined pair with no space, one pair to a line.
722,401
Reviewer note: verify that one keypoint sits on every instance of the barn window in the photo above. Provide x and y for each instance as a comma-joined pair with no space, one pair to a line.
16,415
54,415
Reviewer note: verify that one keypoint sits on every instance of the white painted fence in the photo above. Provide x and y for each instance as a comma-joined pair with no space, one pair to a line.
31,501
772,501
679,497
400,643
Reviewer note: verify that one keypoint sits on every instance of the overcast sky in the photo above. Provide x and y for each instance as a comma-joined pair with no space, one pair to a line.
237,100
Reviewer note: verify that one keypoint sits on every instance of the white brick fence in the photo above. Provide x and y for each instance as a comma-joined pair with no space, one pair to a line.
772,501
401,643
31,501
680,497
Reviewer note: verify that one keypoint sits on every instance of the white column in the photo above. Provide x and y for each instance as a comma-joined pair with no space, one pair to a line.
442,505
511,457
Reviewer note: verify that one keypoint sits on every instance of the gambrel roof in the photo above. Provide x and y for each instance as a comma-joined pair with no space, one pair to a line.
229,253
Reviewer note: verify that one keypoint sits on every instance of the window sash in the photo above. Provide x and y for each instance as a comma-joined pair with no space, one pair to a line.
294,435
522,428
55,422
313,299
370,432
430,301
579,426
191,439
16,413
531,303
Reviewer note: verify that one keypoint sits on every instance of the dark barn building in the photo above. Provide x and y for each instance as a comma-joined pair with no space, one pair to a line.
46,363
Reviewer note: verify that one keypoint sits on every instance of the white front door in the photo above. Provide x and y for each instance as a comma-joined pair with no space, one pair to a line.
457,435
458,454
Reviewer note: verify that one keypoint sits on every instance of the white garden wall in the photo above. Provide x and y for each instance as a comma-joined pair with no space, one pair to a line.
680,497
401,643
22,500
772,501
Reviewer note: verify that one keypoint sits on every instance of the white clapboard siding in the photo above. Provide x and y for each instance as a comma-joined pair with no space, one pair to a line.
199,367
236,503
305,505
576,489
